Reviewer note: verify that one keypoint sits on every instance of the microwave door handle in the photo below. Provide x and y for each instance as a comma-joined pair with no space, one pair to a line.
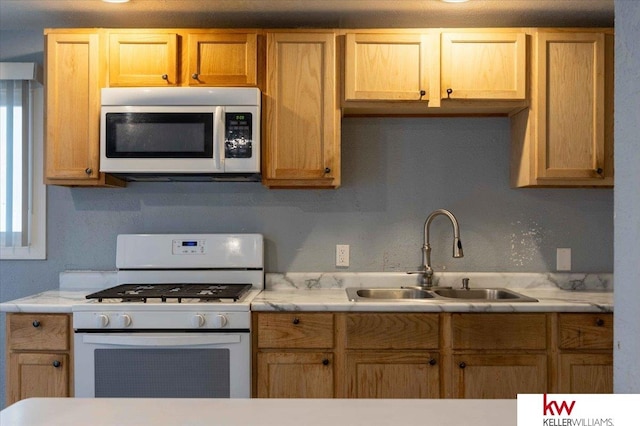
218,139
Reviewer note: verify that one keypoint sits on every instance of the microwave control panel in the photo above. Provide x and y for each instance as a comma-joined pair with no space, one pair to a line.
238,141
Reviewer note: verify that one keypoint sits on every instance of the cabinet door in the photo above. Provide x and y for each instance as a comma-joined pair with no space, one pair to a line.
483,66
222,59
145,59
498,376
392,374
386,67
37,375
74,77
302,127
585,373
295,375
570,106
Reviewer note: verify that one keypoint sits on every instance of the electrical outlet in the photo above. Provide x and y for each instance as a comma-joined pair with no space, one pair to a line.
563,259
342,255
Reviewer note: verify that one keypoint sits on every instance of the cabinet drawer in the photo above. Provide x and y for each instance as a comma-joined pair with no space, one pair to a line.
499,331
38,332
585,331
295,330
392,331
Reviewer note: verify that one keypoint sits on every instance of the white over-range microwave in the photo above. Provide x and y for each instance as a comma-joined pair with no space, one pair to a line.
181,133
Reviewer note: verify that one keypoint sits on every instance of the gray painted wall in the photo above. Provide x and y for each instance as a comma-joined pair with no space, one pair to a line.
395,171
627,199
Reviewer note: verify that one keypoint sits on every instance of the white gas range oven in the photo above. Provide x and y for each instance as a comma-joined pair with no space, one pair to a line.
177,325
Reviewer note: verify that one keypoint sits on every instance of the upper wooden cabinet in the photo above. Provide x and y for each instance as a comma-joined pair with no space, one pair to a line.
483,65
566,137
301,138
386,67
74,75
222,59
143,59
183,58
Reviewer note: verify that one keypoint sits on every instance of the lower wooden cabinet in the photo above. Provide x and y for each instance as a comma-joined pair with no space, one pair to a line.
295,375
498,376
39,356
431,355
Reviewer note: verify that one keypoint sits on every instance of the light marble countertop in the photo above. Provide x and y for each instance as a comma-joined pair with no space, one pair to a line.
245,412
326,292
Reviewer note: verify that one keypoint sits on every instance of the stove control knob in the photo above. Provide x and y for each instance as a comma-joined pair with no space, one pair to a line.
219,321
102,320
198,320
125,320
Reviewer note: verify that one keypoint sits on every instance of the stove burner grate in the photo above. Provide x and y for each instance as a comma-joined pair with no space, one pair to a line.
177,291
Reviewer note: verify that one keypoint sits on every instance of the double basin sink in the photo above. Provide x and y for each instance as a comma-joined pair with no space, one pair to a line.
476,295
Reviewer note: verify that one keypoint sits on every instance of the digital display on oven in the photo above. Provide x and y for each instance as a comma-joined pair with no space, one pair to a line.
188,247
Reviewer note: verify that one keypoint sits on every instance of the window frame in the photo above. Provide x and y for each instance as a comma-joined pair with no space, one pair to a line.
37,216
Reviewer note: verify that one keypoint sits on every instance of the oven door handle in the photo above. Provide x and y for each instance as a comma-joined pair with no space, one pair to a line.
180,340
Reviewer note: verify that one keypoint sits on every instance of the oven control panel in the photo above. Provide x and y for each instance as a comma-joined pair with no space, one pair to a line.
189,247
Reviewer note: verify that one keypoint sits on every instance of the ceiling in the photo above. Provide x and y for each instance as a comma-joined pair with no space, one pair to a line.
38,14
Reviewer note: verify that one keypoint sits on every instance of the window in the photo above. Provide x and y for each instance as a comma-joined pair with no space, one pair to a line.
22,191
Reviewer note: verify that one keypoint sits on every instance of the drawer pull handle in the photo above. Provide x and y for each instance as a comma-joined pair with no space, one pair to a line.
462,365
432,361
325,361
56,364
599,322
36,323
296,320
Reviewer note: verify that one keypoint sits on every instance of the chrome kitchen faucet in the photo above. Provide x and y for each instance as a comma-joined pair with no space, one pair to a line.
427,271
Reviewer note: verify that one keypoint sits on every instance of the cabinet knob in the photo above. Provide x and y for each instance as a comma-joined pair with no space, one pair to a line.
56,364
296,320
194,76
422,93
462,365
88,170
327,170
165,77
325,361
599,170
449,92
432,361
599,322
36,323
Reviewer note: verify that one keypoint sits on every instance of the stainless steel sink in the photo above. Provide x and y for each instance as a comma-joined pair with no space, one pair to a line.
476,295
484,294
388,293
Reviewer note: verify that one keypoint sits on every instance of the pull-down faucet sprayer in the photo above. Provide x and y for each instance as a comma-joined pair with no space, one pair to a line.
427,270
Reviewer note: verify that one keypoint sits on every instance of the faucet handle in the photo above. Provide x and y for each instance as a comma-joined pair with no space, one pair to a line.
417,272
465,284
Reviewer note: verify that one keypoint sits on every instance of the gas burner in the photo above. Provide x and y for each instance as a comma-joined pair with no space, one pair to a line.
172,293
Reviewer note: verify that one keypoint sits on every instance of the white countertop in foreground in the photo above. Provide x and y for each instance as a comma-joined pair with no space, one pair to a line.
246,412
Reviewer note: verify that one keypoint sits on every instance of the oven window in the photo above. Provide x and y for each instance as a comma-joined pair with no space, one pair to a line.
159,135
162,373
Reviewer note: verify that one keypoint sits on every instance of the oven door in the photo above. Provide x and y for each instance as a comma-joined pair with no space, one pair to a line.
162,365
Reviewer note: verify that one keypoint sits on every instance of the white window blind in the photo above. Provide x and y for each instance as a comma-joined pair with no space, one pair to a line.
22,191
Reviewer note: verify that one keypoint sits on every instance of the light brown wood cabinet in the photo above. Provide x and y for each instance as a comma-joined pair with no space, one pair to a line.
565,138
585,358
484,65
74,75
294,357
182,58
391,355
497,355
387,66
301,138
39,356
430,355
